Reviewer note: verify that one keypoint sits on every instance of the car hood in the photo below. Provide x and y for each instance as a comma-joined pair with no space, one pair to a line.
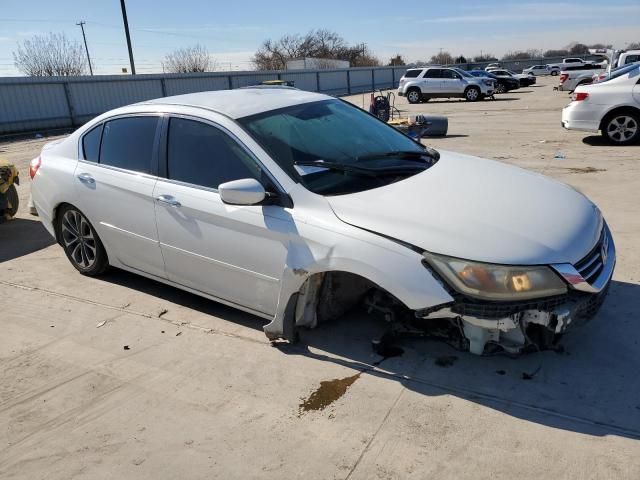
481,210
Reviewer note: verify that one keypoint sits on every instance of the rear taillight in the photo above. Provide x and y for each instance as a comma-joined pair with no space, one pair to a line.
34,165
579,96
563,77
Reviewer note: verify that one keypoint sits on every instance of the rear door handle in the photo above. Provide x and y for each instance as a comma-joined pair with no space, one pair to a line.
86,179
168,200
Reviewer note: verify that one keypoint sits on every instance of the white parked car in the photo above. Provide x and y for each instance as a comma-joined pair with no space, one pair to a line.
297,207
538,70
492,66
423,84
611,106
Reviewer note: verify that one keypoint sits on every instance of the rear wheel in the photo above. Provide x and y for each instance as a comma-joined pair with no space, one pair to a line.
554,73
12,197
81,242
414,96
472,94
622,128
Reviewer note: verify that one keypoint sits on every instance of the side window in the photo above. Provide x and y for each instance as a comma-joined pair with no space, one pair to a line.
432,73
204,155
128,143
91,144
412,73
449,74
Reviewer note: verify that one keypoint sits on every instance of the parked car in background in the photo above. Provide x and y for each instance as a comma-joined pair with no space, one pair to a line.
574,76
503,84
630,56
542,70
524,79
491,66
422,84
570,62
611,106
211,192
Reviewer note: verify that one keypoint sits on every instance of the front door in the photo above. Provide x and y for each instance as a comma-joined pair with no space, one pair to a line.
451,82
235,253
114,183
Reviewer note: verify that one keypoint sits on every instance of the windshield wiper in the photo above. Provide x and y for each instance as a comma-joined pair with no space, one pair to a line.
341,167
413,155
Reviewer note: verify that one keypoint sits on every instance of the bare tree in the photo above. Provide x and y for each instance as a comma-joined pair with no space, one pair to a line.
442,58
485,57
50,55
556,53
321,43
396,61
631,46
188,60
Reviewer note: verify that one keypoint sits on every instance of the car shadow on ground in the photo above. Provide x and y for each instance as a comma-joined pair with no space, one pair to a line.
599,141
22,236
498,98
182,298
589,387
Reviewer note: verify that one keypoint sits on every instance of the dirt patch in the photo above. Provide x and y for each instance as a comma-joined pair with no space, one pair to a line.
585,170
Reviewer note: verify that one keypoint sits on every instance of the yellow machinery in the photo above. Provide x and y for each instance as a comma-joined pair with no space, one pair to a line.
8,194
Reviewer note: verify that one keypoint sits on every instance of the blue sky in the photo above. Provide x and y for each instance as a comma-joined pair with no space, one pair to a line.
232,30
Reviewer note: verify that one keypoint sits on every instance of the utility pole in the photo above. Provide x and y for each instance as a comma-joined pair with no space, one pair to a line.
126,32
81,24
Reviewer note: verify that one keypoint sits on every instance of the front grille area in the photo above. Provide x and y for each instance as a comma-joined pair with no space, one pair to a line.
593,263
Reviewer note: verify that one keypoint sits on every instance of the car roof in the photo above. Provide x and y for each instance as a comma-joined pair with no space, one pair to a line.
242,102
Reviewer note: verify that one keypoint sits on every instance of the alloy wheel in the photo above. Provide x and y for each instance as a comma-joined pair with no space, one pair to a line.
622,128
472,94
413,96
78,238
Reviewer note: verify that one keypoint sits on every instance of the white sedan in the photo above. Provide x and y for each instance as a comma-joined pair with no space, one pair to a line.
611,105
298,207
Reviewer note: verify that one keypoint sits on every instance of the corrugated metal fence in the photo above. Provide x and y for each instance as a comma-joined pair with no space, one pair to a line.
41,103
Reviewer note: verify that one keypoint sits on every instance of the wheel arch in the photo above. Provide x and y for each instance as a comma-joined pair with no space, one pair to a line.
617,110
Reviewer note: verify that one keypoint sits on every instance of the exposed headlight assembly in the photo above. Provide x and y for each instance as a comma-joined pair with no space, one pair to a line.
497,282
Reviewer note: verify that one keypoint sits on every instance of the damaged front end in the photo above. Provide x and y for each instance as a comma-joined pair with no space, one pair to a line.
490,326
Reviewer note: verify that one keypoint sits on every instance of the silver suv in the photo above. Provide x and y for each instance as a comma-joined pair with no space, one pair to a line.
422,84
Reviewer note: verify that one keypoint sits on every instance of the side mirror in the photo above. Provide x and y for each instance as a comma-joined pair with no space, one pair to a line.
246,191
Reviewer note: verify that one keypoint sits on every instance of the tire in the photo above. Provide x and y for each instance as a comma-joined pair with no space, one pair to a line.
622,128
414,95
14,201
500,88
80,242
554,73
472,94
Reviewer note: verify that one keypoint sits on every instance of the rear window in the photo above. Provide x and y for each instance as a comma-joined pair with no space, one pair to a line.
91,144
128,143
412,73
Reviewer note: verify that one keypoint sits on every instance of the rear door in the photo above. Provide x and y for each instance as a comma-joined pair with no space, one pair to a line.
431,81
235,253
114,182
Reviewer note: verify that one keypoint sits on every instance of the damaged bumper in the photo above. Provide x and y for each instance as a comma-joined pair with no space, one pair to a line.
514,326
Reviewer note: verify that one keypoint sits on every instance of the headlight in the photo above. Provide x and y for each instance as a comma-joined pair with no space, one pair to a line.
497,282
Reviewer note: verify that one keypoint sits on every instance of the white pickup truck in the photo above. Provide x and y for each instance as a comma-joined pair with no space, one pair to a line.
570,62
571,77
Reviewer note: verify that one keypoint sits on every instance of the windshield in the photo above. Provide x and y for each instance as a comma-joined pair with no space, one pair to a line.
333,148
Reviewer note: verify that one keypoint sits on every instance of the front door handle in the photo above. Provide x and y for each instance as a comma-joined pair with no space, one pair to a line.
86,179
168,200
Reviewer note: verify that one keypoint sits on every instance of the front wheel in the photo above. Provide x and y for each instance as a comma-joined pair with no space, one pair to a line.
81,243
472,94
500,88
622,128
414,96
